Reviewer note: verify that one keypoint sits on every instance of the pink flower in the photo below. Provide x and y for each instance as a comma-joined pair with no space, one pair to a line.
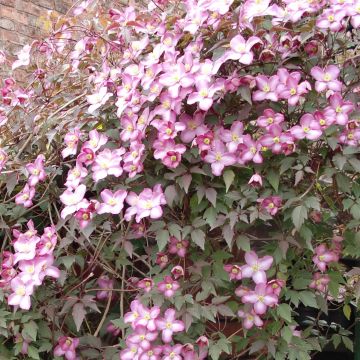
194,126
172,352
250,319
251,150
67,347
96,141
107,163
233,137
331,19
275,286
309,128
104,283
168,287
73,200
142,337
167,129
178,247
71,140
260,299
205,93
147,317
162,260
219,157
21,293
177,272
113,203
324,118
241,49
133,314
98,99
75,175
291,89
147,203
25,196
169,152
323,256
267,88
151,354
36,171
168,325
146,284
270,118
320,282
255,267
86,156
341,109
234,271
274,139
255,180
326,79
271,204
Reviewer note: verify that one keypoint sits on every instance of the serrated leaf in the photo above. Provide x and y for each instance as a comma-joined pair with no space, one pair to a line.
78,314
198,237
211,194
228,177
299,215
30,330
273,178
162,238
347,311
284,311
228,234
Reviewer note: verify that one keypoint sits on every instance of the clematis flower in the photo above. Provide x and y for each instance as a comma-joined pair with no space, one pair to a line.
71,140
233,137
96,140
267,88
323,256
292,90
73,200
270,118
271,204
131,316
274,139
250,319
339,109
75,175
251,150
326,79
22,290
106,163
98,99
146,284
147,317
105,283
178,247
177,272
255,180
193,126
162,260
169,325
151,354
36,171
205,93
67,347
113,203
168,287
219,157
320,282
331,19
234,271
172,352
260,299
169,152
255,267
309,128
142,337
275,286
25,196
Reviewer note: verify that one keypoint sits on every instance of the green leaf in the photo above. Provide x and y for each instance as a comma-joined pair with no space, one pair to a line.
348,343
284,311
210,194
228,177
347,311
30,330
308,299
78,313
243,242
162,238
355,163
33,352
198,237
299,215
228,234
274,178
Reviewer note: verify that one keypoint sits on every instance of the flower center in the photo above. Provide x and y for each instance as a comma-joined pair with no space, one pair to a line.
253,150
234,270
327,77
168,325
112,202
218,156
172,355
85,216
30,269
306,129
20,291
292,91
235,137
148,284
147,317
142,337
68,341
148,204
203,93
271,206
350,136
240,48
322,122
261,298
270,120
266,88
168,131
331,18
206,141
276,139
168,286
25,197
255,267
36,172
179,245
338,109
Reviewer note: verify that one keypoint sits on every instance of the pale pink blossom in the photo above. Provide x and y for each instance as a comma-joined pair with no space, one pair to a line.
260,299
309,128
255,267
249,319
21,293
169,325
168,287
326,79
107,163
112,203
219,157
98,99
73,200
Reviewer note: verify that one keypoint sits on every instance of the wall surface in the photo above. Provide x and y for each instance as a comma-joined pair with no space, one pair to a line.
19,20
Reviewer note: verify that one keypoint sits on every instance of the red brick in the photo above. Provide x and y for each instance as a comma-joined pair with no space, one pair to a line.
6,24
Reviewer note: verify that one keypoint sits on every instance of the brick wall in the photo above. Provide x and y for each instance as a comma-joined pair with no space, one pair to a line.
19,20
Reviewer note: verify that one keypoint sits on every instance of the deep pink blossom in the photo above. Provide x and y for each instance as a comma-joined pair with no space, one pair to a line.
267,88
219,157
269,118
67,347
260,299
250,319
309,128
146,284
178,246
320,282
326,79
168,287
271,204
323,256
234,271
25,196
168,325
